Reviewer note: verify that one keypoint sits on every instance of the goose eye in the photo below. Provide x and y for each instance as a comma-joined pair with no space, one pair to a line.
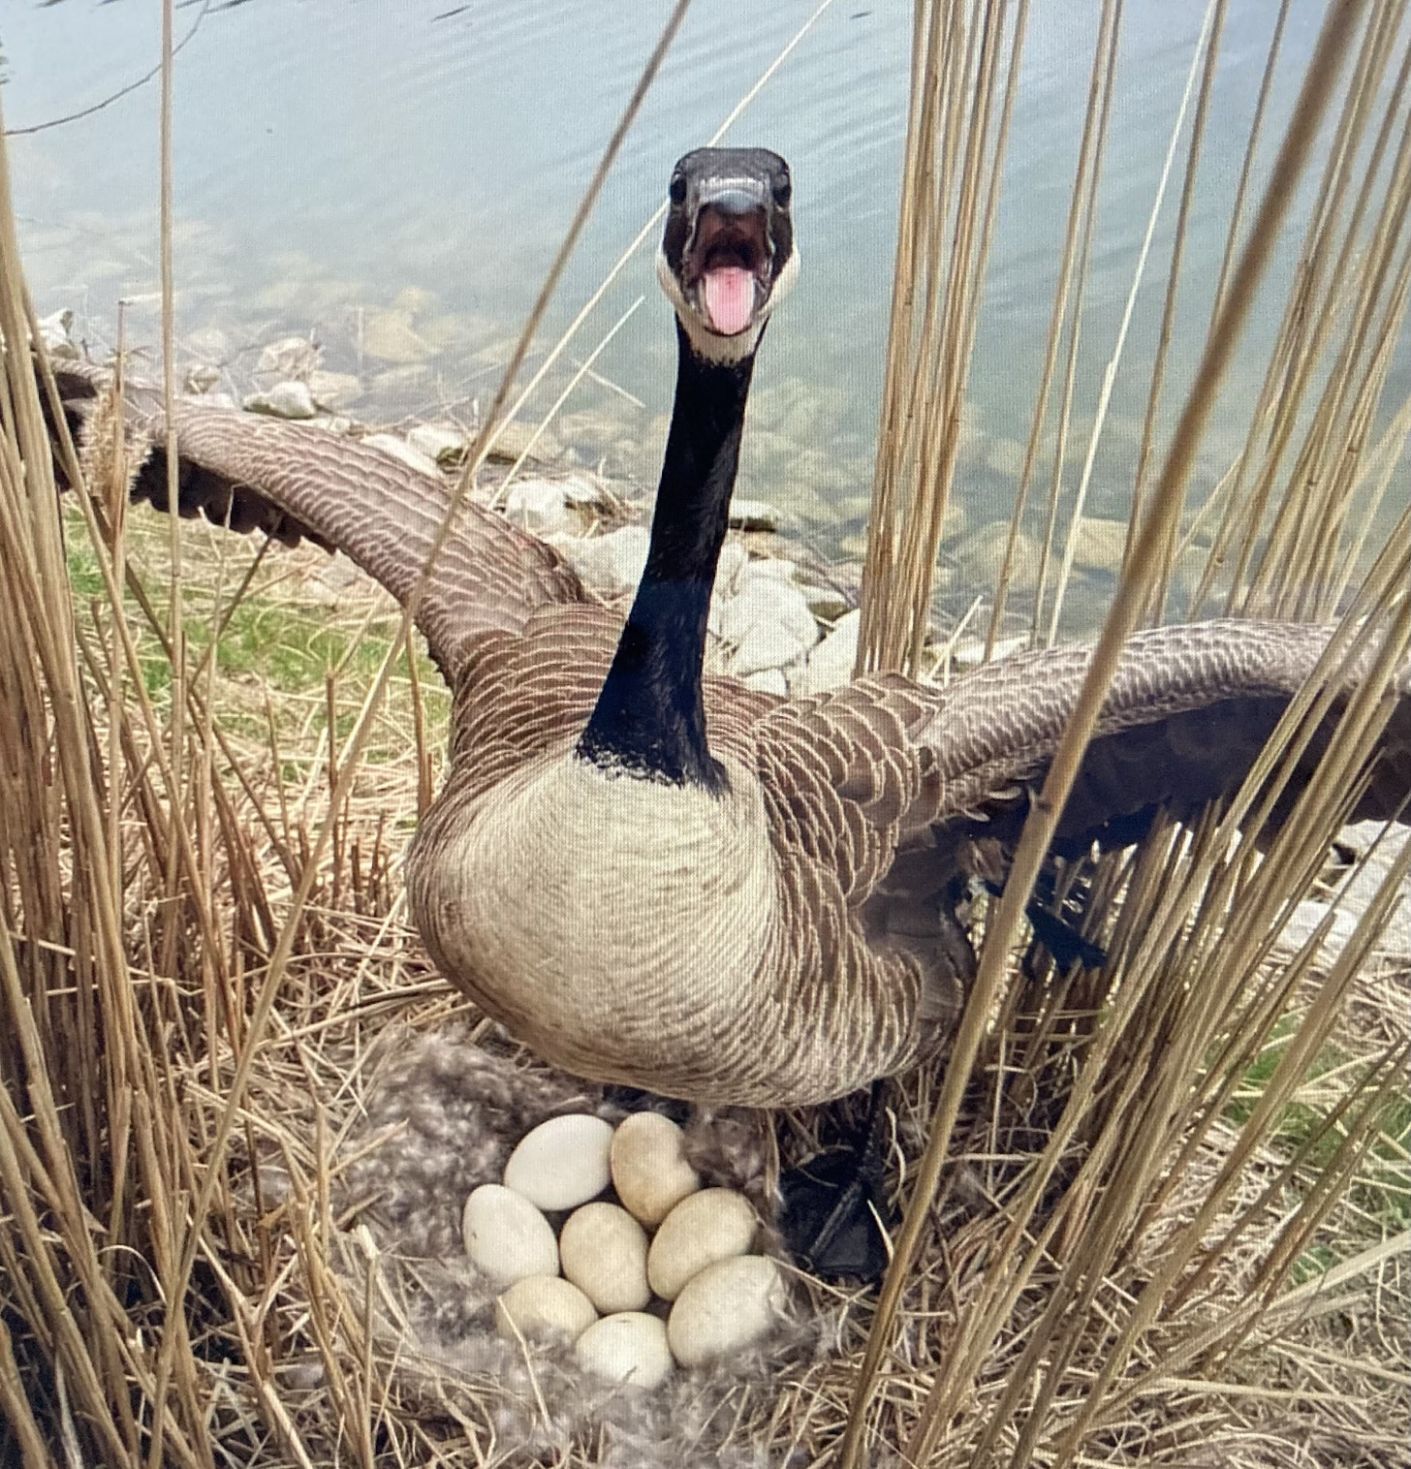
677,191
783,191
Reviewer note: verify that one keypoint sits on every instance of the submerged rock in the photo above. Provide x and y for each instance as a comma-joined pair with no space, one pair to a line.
289,357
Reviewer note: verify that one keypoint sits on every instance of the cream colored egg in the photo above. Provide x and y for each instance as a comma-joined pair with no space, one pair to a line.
649,1167
629,1348
561,1163
544,1308
604,1253
729,1306
704,1227
506,1237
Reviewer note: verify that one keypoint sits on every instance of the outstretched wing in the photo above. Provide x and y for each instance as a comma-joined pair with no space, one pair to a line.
294,481
1188,712
880,792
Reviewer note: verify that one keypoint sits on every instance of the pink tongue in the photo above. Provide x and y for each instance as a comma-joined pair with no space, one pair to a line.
729,294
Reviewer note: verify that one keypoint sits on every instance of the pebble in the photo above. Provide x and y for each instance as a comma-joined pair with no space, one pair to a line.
283,400
703,1228
506,1237
628,1347
561,1163
604,1253
731,1305
650,1170
400,449
544,1308
440,442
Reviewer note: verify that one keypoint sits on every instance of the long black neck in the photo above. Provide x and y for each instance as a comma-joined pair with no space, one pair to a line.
649,718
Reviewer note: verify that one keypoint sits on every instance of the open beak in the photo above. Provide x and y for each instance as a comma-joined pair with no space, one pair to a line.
728,268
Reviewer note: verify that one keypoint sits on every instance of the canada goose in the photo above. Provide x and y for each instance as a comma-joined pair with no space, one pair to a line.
667,880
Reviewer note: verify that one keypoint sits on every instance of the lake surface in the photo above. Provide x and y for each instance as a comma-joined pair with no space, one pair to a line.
393,177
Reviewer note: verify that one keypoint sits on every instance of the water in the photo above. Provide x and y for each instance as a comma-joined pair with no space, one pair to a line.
395,175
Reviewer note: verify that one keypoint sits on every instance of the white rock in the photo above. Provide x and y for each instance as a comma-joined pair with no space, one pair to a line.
580,491
730,569
753,515
54,333
629,1347
776,568
767,681
830,665
506,1237
704,1227
544,1308
284,400
766,602
400,449
440,442
767,647
541,506
561,1163
604,1253
971,652
610,564
650,1170
728,1307
826,603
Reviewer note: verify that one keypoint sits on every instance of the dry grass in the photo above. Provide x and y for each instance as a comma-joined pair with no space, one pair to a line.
240,1110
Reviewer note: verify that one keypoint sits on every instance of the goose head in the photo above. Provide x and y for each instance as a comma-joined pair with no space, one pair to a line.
727,255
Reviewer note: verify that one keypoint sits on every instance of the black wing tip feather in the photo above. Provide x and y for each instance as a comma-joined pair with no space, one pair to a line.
224,502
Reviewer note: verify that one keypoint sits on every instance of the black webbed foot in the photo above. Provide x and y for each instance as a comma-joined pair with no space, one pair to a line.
834,1210
1060,937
